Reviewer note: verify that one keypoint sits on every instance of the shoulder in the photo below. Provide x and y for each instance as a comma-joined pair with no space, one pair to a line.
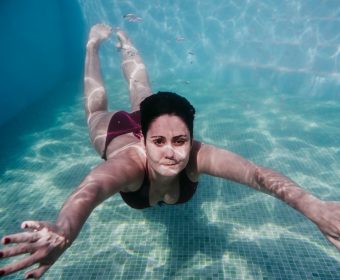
202,157
192,167
199,151
207,152
211,159
128,165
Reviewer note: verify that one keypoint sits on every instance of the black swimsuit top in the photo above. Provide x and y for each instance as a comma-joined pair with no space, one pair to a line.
123,122
140,198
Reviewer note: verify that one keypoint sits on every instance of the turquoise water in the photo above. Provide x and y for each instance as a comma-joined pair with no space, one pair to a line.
41,51
276,104
227,231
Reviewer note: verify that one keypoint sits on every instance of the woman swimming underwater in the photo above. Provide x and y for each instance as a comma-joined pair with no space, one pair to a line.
150,157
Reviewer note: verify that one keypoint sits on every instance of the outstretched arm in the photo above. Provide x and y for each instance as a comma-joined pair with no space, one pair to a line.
225,164
45,241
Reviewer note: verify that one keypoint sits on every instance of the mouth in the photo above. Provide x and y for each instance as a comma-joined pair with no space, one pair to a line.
170,164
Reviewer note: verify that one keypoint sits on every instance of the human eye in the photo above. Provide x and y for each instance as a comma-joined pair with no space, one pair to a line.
158,141
180,141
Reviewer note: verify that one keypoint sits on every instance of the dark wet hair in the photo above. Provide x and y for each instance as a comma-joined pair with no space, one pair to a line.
166,103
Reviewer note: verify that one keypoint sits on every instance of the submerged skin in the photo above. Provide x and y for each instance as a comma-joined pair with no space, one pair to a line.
165,151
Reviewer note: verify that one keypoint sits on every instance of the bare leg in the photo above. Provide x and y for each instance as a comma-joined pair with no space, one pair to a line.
95,96
134,71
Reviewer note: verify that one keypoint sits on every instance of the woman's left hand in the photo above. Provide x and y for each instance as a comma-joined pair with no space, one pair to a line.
328,220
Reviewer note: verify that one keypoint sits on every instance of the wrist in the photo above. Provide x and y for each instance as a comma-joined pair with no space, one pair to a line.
309,205
65,232
67,240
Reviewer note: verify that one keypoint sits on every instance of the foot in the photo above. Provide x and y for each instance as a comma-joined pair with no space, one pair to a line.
98,33
125,43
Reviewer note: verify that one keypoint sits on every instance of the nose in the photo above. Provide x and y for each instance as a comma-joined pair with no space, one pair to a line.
169,152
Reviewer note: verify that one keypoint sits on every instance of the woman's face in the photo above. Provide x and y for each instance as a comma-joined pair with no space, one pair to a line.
168,145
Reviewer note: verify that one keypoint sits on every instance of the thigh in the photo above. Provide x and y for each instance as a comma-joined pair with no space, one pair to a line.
98,125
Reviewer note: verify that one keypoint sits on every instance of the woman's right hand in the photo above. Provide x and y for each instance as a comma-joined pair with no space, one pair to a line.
44,241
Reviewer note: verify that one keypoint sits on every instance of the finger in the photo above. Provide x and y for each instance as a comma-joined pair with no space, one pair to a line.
14,267
20,237
34,225
17,250
334,241
38,272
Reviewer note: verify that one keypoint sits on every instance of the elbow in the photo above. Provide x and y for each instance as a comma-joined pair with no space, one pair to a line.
260,176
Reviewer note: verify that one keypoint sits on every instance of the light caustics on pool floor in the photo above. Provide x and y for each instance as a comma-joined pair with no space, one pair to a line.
264,77
227,231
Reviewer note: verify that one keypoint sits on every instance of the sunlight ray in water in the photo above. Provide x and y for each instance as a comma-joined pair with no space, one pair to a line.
264,78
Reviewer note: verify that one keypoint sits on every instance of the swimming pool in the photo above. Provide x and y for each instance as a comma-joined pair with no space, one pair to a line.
264,79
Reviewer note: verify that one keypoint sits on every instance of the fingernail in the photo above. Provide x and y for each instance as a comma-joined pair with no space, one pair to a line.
7,240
